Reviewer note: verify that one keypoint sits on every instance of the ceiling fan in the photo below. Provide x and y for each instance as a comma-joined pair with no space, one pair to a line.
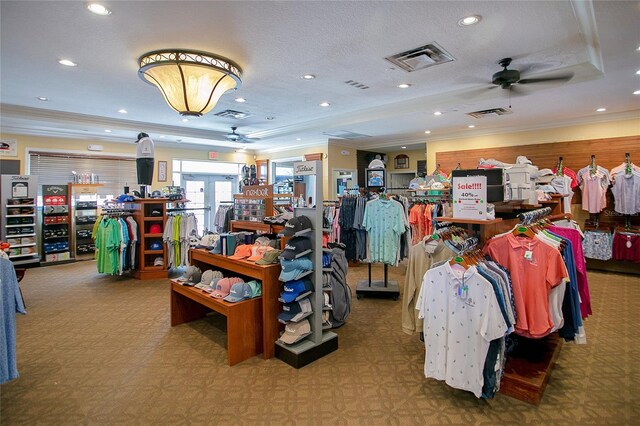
236,137
507,78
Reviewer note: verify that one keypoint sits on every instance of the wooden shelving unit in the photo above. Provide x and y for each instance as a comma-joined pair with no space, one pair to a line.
145,218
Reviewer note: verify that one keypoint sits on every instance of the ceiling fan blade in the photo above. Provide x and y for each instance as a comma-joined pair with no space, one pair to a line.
477,92
518,91
557,77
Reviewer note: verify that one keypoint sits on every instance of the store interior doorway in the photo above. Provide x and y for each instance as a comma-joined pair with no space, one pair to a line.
206,193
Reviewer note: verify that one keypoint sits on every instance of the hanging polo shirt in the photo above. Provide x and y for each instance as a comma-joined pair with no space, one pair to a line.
594,188
384,224
461,317
626,192
532,277
421,257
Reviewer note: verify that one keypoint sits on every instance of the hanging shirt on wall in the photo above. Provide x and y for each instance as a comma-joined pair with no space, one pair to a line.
383,220
594,184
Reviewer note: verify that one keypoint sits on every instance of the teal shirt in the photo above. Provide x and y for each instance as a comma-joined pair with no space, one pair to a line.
384,224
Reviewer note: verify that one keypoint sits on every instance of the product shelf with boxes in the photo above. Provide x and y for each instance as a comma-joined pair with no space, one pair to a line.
84,213
255,204
56,224
18,223
151,215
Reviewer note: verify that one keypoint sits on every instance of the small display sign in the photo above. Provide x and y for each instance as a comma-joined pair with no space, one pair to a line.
470,197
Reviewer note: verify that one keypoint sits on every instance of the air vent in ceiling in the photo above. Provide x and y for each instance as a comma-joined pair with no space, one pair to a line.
493,111
356,84
229,113
421,57
343,134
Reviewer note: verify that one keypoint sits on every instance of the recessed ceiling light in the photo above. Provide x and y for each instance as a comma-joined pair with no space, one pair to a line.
403,147
107,130
98,9
471,126
437,113
638,72
601,110
162,136
637,92
67,63
404,85
427,131
324,104
469,20
184,120
42,98
308,77
123,111
298,139
241,100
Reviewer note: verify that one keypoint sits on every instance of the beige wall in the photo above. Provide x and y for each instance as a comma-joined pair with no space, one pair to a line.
162,153
562,134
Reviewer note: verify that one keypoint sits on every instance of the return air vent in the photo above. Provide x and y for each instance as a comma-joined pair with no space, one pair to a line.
356,84
343,134
486,112
229,113
421,57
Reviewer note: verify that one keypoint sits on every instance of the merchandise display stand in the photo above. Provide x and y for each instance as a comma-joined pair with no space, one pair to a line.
84,213
527,372
146,214
18,206
56,224
267,274
378,288
320,342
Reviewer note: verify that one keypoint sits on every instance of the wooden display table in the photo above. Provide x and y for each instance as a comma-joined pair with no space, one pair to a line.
244,319
271,289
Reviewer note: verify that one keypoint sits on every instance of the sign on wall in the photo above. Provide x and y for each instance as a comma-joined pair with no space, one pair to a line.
470,197
8,148
304,168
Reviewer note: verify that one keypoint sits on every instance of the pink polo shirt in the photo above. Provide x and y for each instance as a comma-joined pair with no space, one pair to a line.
532,279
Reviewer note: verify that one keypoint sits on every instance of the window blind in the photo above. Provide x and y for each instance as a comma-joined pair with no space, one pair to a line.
113,172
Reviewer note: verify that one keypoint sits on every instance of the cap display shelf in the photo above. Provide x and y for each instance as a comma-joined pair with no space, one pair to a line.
143,209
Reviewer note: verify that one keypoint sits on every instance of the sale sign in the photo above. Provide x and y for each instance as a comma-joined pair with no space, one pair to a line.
470,197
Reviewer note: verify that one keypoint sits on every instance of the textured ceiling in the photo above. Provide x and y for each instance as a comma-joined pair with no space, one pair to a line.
277,42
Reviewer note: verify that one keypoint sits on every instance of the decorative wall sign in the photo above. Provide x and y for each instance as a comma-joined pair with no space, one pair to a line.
401,161
8,148
162,171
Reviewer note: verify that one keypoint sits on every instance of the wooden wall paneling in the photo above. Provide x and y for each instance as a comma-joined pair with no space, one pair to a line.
609,153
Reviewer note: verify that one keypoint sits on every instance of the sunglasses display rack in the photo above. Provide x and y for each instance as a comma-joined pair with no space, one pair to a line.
18,210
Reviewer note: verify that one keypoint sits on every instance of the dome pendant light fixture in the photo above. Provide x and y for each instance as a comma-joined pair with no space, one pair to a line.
190,81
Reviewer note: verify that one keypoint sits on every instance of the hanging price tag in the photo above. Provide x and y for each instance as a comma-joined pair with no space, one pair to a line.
528,255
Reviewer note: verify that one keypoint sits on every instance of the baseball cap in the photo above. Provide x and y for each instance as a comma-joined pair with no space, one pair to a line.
188,273
239,291
296,224
258,251
296,246
295,289
262,241
207,277
256,288
156,245
295,311
242,251
269,257
207,241
159,261
156,213
156,228
295,331
217,246
223,288
294,269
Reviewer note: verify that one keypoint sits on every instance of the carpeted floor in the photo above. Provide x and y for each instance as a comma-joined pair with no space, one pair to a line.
99,350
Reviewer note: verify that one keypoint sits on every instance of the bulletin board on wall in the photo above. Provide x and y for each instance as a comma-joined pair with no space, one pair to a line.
609,153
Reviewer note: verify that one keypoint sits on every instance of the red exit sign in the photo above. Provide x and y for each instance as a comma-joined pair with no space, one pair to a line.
213,155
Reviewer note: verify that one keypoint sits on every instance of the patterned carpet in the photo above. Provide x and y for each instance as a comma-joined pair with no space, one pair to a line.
99,350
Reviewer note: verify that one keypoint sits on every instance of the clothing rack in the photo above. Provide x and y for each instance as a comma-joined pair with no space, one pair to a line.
378,288
529,217
182,209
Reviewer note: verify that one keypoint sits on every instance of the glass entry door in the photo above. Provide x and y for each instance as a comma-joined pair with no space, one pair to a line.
205,193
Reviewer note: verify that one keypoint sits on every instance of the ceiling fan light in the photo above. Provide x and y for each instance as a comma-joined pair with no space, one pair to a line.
191,82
